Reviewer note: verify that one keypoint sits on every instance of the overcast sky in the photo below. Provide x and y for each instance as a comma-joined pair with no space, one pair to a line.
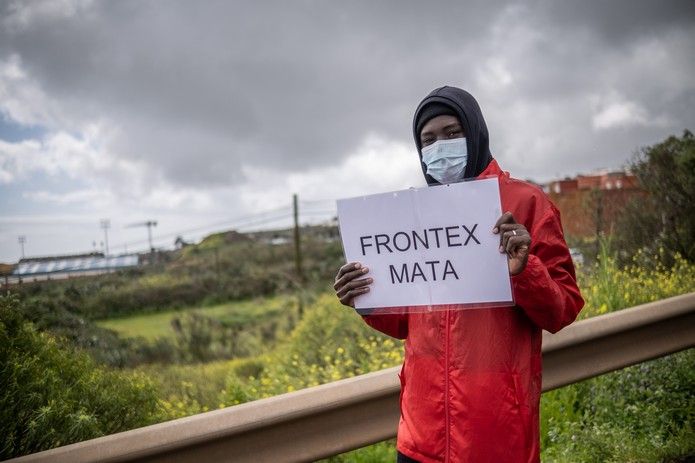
198,114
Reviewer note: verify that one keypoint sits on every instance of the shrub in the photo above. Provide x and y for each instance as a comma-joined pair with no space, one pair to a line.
330,343
607,287
51,395
665,217
642,413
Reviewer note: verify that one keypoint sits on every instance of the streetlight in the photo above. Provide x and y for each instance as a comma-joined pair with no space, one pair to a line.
22,239
105,225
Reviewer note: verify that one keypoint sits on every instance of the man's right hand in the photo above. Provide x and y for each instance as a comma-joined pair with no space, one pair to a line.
348,284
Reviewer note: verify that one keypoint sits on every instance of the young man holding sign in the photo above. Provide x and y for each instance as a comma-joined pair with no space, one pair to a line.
471,379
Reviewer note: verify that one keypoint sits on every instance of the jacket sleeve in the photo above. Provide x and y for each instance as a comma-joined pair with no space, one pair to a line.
547,289
394,325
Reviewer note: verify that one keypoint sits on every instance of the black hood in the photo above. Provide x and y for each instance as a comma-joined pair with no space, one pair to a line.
477,139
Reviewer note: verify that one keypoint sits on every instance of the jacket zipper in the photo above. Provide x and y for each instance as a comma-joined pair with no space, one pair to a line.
446,388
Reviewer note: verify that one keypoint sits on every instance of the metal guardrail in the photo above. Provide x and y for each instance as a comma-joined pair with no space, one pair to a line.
333,418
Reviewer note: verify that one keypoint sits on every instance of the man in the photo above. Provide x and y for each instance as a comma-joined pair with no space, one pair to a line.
471,379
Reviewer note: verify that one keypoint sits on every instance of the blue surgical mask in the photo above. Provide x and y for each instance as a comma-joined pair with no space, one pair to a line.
446,160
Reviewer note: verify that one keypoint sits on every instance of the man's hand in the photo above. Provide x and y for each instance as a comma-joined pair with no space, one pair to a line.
347,285
515,240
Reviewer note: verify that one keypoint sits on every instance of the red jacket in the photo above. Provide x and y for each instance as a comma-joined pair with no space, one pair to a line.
471,379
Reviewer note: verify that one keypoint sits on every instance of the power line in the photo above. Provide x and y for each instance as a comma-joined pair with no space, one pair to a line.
265,221
237,222
323,211
203,227
149,224
316,201
310,208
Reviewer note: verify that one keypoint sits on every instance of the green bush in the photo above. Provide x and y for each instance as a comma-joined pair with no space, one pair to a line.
195,388
665,216
51,395
103,345
642,413
383,452
607,286
330,343
202,339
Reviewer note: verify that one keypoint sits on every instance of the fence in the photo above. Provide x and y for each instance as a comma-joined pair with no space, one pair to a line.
333,418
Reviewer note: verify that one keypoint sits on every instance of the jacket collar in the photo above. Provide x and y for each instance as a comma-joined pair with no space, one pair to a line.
493,169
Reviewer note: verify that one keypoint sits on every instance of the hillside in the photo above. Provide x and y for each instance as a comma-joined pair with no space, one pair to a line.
229,286
223,267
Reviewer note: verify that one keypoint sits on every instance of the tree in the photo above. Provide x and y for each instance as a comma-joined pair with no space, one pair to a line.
665,217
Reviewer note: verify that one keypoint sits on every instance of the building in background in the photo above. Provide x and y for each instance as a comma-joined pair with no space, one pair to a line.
60,267
590,205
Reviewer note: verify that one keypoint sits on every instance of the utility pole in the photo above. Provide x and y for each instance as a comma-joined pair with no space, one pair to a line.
298,254
297,245
22,239
149,224
105,225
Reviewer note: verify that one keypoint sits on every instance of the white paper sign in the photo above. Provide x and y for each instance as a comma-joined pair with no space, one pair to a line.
428,246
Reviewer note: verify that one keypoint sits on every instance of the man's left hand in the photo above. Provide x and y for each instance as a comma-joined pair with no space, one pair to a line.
515,240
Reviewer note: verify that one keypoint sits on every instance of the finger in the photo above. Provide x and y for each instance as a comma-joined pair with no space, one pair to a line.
511,226
505,237
519,253
351,275
353,285
349,297
347,278
515,242
507,217
511,230
342,281
516,232
347,268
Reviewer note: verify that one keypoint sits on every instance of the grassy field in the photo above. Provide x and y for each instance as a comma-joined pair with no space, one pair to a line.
158,325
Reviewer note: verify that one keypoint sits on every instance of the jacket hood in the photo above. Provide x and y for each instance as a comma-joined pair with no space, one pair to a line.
468,111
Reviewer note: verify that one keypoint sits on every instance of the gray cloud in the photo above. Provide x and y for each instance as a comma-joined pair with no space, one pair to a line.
199,89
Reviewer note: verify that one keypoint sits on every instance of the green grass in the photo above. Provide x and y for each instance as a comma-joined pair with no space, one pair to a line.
158,325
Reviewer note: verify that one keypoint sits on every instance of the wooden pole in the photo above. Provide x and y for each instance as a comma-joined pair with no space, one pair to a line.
298,252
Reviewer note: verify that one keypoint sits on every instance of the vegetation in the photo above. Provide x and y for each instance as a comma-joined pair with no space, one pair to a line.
51,395
153,326
642,413
89,311
665,217
232,330
213,272
608,287
330,342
